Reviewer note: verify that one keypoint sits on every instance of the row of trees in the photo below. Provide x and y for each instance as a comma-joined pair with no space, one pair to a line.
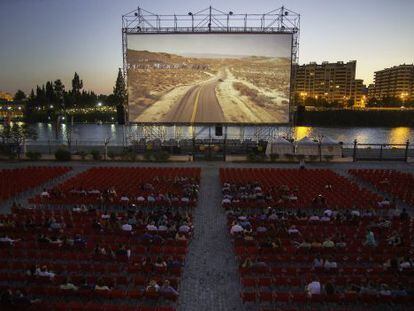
322,102
390,102
51,99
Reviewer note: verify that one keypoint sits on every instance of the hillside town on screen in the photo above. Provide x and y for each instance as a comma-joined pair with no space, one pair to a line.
199,83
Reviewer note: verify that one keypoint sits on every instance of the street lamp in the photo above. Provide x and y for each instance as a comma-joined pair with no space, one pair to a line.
192,20
99,104
228,20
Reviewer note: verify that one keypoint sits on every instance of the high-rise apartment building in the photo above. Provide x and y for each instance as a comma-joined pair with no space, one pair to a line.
333,82
394,82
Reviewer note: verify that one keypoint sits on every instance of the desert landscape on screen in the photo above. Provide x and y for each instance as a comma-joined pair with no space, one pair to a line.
208,85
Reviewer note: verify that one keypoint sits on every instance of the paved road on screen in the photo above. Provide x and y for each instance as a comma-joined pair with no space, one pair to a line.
199,104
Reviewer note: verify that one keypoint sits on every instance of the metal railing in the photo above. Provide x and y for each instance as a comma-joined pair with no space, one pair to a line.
380,152
356,151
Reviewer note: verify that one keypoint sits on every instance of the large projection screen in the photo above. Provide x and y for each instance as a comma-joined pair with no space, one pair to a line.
224,78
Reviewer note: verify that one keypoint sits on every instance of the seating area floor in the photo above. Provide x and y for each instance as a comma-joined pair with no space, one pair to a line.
210,279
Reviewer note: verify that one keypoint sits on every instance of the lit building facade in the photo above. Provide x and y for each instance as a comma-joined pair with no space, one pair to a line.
332,82
394,82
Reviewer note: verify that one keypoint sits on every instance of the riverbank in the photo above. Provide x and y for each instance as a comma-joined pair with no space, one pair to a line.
351,118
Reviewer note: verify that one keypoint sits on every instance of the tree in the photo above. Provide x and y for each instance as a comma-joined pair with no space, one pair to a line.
120,97
77,84
50,92
59,91
14,137
19,96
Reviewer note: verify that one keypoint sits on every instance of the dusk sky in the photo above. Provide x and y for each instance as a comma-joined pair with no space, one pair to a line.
48,39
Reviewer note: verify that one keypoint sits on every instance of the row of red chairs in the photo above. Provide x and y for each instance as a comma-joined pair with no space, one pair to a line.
125,180
127,276
309,184
302,298
397,184
15,181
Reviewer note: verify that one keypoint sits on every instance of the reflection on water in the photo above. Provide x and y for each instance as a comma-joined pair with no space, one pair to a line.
302,131
399,135
96,134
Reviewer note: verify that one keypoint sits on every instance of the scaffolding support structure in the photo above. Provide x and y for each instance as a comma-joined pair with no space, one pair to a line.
212,20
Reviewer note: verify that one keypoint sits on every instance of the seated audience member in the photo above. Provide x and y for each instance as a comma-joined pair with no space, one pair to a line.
341,242
368,289
181,236
370,239
67,285
7,240
162,228
124,199
167,289
316,244
45,194
184,228
325,218
43,272
258,264
247,263
152,287
261,229
384,203
100,286
395,239
330,264
293,230
276,243
105,215
328,243
99,251
236,228
314,218
152,227
313,288
55,240
400,292
406,263
126,227
55,225
385,290
79,240
305,244
160,263
317,262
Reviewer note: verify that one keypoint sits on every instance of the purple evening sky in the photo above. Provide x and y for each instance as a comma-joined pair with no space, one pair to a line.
44,40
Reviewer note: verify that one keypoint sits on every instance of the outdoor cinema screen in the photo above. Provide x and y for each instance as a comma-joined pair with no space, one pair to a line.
209,78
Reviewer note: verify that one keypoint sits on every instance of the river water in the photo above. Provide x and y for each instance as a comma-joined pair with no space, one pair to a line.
118,134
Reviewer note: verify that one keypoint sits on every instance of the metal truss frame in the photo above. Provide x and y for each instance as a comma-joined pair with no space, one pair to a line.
212,20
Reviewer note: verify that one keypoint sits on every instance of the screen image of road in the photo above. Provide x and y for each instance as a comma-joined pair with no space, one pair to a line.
209,78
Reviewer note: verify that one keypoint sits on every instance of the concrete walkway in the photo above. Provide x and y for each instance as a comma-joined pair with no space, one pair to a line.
210,278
